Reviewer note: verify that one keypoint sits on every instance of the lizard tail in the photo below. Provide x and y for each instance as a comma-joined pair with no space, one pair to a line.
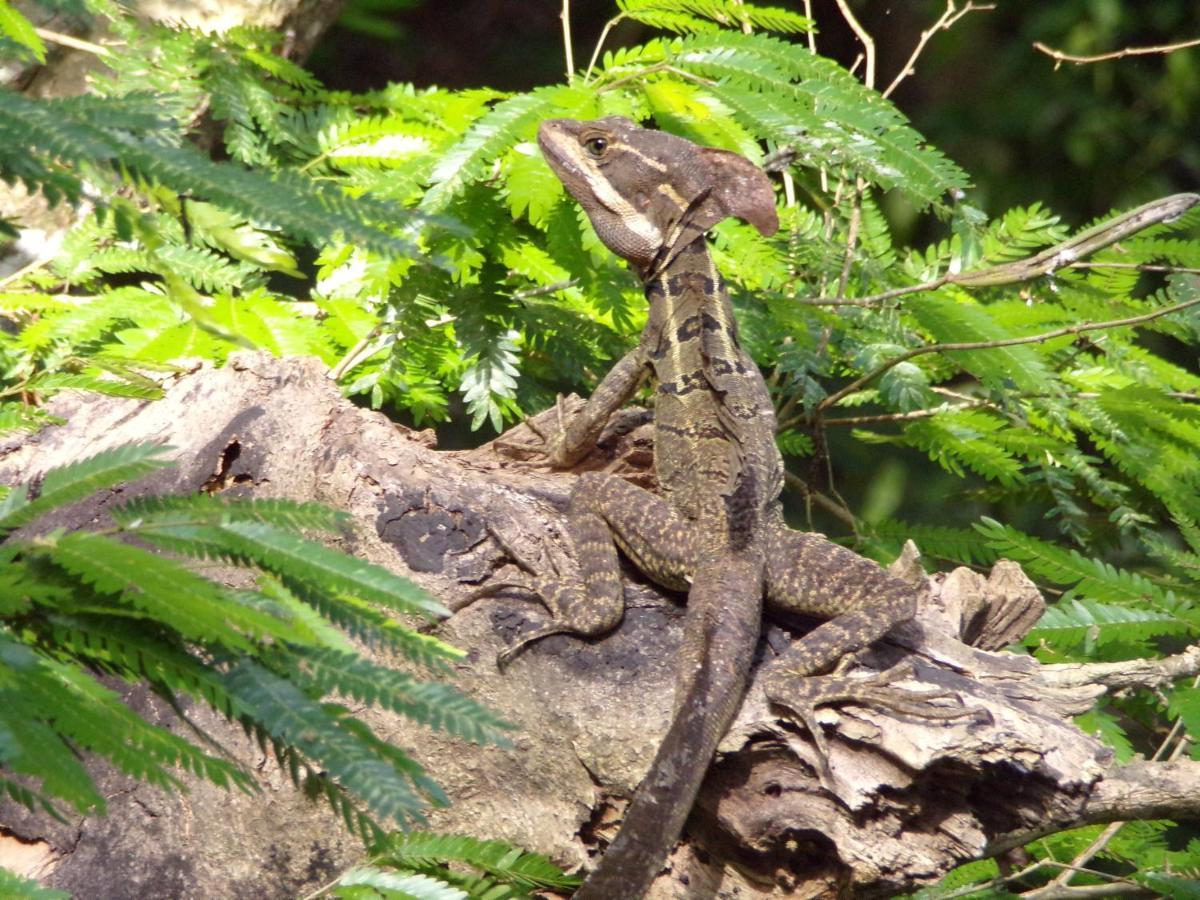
724,609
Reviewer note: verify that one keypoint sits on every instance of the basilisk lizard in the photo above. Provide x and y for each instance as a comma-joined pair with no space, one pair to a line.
717,532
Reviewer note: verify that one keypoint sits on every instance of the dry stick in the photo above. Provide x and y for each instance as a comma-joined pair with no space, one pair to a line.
1007,342
1140,267
866,39
860,186
65,40
746,29
951,15
608,26
565,15
1049,261
905,416
838,510
1059,57
812,34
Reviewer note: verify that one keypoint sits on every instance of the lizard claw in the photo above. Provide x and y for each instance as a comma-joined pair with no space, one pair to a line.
802,696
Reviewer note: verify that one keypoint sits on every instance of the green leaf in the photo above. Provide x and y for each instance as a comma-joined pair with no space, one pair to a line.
509,122
437,705
390,790
73,482
291,556
948,321
393,885
16,27
18,888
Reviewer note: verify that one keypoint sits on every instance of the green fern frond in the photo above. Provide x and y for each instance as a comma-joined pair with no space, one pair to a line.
293,558
391,884
13,885
1091,578
424,851
22,417
18,29
507,123
961,545
439,706
165,591
389,791
308,209
1074,620
73,482
156,511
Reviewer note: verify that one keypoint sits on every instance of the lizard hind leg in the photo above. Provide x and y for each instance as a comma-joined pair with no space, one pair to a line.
808,574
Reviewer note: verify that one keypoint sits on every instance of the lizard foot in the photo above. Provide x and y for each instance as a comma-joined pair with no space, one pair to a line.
550,445
546,590
801,696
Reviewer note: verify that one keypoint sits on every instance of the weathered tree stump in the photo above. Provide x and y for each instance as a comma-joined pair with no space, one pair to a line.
910,798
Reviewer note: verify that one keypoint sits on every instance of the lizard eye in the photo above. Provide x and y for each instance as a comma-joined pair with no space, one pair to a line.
595,146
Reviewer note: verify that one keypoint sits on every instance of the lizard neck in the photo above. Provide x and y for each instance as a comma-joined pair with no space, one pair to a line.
692,320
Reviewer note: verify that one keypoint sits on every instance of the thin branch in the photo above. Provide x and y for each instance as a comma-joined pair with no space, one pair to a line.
746,29
866,39
1059,256
65,40
542,290
858,383
851,236
949,17
812,32
1140,267
1060,57
905,416
650,70
565,15
838,510
608,26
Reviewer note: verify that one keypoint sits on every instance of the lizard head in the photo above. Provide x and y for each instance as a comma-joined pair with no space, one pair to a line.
648,193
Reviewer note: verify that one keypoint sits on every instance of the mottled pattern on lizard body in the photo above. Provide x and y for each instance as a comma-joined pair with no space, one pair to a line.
717,531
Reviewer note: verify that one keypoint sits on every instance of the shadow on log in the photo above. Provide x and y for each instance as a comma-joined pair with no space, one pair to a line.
910,798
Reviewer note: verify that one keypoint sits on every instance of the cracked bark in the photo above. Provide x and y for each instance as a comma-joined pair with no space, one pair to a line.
912,799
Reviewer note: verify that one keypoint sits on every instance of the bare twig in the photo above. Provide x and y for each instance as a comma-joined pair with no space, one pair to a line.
851,236
1140,267
867,41
608,26
1060,57
1174,737
949,17
65,40
904,416
858,383
837,510
543,289
812,33
565,15
649,70
746,29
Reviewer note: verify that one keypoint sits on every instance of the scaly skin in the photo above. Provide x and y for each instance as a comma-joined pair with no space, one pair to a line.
717,532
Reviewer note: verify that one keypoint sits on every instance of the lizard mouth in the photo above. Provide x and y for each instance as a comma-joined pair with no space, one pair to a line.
556,142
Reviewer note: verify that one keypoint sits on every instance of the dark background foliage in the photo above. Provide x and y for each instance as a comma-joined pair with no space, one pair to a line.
1082,139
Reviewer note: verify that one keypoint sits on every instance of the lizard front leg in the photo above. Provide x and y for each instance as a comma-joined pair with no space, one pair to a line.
605,512
574,437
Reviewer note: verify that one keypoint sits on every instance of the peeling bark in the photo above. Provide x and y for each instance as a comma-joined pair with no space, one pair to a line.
911,797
